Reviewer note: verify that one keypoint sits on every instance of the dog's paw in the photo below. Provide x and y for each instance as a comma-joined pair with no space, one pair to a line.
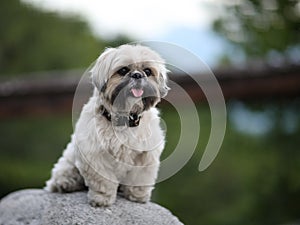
137,194
140,199
63,185
97,199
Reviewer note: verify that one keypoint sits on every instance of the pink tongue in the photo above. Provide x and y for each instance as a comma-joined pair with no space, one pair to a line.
137,92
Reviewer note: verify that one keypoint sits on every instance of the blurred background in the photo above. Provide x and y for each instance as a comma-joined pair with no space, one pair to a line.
253,48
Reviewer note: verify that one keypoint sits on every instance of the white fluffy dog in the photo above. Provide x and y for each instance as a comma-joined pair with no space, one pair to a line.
117,141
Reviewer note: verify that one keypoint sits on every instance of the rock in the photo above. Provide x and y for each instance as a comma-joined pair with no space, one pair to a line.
36,207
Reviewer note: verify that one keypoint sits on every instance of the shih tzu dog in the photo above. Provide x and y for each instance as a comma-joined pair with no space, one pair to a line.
117,140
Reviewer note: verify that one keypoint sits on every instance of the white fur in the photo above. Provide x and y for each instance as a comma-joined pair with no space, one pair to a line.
106,158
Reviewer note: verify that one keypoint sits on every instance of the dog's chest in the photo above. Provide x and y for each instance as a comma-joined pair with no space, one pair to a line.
130,148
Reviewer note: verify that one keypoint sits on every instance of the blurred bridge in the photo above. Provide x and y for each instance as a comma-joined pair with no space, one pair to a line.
53,92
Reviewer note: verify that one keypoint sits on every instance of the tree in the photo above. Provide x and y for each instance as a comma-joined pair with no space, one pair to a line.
34,40
262,28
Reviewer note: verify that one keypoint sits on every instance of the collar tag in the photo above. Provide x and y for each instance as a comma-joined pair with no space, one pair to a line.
133,120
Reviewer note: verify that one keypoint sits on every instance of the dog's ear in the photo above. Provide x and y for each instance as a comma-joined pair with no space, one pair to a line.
163,81
101,70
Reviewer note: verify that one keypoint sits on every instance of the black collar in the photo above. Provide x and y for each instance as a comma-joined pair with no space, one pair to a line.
133,120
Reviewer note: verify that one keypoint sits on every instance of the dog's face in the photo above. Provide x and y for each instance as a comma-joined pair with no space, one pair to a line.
130,78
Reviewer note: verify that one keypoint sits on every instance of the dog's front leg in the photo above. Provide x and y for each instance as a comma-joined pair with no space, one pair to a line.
102,192
141,180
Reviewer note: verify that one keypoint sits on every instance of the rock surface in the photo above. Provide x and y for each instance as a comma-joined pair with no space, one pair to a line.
36,206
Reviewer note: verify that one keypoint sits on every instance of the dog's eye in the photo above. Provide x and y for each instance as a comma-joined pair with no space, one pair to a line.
123,71
148,72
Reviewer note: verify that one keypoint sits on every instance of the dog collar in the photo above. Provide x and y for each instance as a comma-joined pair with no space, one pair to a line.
133,120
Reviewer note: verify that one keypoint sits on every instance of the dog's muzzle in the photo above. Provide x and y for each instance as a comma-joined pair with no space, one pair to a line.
137,78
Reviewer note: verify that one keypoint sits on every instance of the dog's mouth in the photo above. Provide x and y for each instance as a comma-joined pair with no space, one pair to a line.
130,93
137,92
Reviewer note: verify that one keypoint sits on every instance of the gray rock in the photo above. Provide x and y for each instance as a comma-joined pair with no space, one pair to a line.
38,207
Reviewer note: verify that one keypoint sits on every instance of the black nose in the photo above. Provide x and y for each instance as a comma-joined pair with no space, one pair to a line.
137,75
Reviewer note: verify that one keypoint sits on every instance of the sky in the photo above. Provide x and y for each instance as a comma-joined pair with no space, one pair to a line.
185,23
153,18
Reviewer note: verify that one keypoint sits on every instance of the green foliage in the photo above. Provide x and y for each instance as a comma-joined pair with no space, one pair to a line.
33,40
260,28
28,148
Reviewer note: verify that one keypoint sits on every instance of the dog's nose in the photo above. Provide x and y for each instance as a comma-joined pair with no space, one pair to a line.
137,75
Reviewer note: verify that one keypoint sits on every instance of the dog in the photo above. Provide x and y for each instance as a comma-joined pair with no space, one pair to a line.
117,140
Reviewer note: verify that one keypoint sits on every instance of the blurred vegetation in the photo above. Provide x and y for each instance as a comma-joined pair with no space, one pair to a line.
262,29
34,40
28,148
254,179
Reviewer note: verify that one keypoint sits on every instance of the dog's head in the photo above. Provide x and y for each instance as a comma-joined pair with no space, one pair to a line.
130,78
